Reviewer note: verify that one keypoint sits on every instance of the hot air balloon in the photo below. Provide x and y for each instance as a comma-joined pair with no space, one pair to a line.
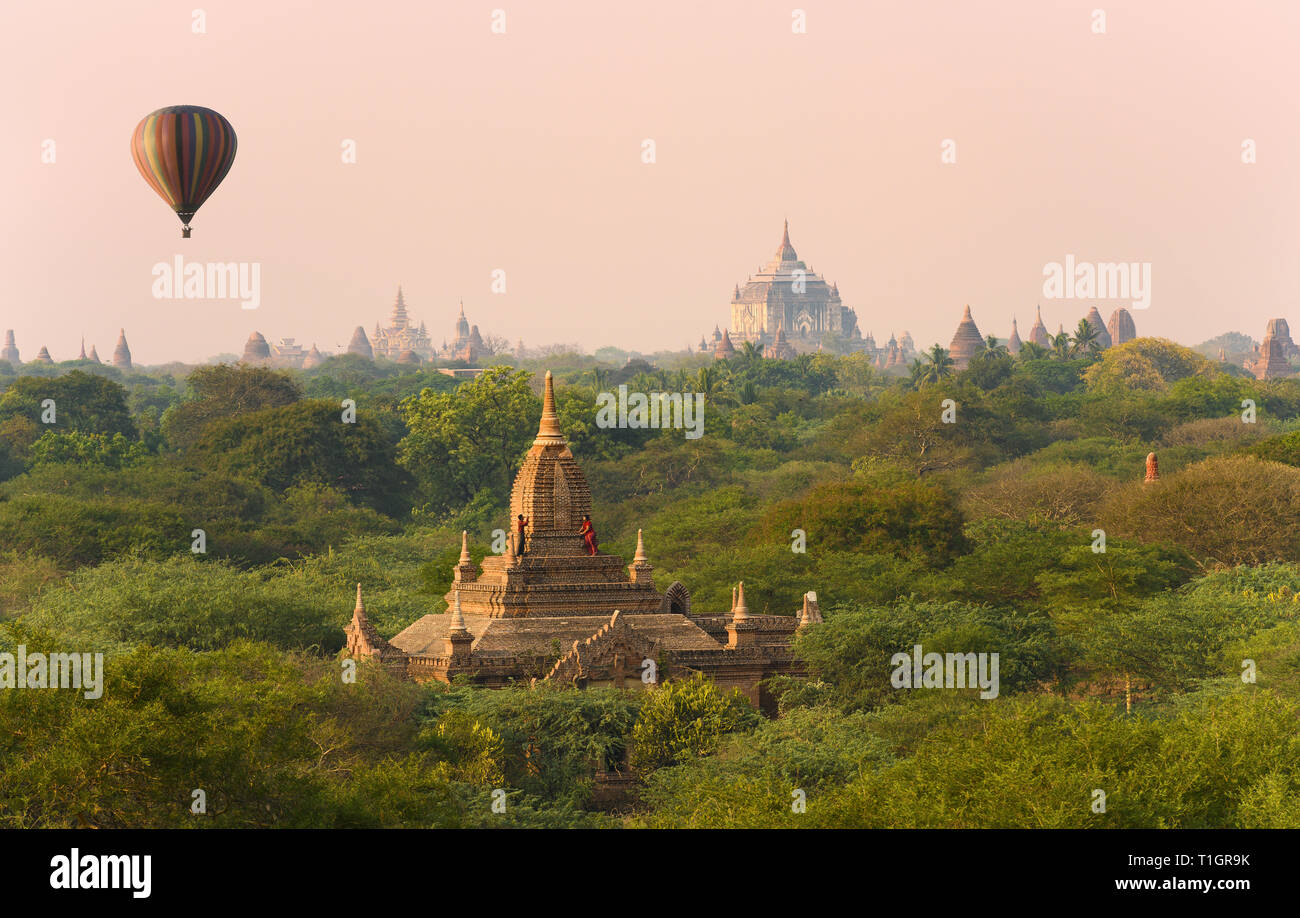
183,152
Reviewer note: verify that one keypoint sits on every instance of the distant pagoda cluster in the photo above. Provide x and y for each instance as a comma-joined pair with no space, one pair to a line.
404,343
967,340
121,353
787,309
287,353
401,341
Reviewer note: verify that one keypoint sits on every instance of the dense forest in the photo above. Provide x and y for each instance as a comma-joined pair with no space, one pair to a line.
963,510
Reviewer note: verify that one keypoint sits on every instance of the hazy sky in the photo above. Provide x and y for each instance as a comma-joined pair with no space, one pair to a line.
523,151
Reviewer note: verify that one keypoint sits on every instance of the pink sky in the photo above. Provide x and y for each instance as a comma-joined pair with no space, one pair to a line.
522,152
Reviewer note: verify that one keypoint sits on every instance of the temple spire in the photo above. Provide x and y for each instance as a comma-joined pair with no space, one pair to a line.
639,571
363,639
811,613
464,548
400,318
741,611
459,639
785,235
548,431
457,622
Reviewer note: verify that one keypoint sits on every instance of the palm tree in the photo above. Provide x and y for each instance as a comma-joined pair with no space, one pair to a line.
708,381
938,365
994,347
1032,350
643,382
1085,339
1061,345
917,373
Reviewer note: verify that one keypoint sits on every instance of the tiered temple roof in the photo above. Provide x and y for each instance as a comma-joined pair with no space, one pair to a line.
401,336
787,294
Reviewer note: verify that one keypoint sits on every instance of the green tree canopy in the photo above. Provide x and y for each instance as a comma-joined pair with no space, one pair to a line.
473,438
223,391
83,403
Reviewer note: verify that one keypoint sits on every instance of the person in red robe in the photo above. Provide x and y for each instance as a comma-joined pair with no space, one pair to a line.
588,534
519,543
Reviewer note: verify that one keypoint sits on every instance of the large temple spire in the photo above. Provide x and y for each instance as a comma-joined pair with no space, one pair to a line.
400,318
548,431
786,254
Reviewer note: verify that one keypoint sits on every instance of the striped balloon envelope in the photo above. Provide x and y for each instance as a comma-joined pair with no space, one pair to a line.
183,152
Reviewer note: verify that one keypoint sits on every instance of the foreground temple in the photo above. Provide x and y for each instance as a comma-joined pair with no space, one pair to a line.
547,610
